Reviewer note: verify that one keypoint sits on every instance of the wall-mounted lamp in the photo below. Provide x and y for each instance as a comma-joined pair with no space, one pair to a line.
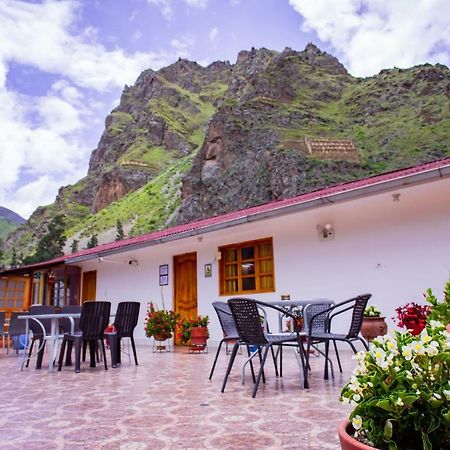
326,232
133,262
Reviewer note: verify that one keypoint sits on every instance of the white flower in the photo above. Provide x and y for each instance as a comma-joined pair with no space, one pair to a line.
407,352
431,350
379,354
357,397
357,422
438,396
399,402
345,400
447,394
425,337
418,347
435,323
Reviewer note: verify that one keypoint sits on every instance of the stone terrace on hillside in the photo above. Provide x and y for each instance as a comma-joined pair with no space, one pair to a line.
167,402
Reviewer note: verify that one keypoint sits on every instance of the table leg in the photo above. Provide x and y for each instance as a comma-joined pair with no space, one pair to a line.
52,343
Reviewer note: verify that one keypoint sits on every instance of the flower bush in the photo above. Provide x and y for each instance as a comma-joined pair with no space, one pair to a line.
440,310
160,321
401,391
372,311
412,314
185,326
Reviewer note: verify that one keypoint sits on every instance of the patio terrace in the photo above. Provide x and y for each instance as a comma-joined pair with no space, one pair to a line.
167,402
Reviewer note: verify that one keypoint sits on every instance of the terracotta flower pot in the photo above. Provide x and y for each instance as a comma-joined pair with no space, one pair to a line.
162,336
348,442
199,335
373,327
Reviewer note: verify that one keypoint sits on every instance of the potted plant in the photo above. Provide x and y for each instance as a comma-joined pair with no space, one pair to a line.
195,333
374,324
412,316
400,392
440,310
297,311
160,323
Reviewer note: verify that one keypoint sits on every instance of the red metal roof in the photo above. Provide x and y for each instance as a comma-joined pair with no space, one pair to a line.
248,212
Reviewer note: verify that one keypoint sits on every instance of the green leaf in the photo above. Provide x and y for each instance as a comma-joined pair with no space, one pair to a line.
388,429
385,404
409,399
427,445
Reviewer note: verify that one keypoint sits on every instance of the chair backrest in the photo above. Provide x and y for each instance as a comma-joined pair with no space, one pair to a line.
247,320
17,326
126,319
47,323
320,321
2,322
94,319
226,320
358,315
65,323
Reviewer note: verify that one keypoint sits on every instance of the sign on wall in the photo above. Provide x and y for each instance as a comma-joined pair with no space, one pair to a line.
164,275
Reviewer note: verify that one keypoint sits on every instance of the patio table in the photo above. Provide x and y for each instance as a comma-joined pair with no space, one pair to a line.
52,337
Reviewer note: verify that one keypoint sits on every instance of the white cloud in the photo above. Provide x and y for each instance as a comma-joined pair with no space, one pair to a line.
167,6
213,34
370,35
43,138
182,45
49,45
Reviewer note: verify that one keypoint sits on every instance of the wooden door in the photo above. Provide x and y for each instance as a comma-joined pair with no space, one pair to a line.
89,285
185,284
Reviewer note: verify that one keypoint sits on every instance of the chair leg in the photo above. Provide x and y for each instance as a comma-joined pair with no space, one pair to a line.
84,350
69,353
261,364
29,353
353,347
281,360
92,352
230,365
133,346
252,369
40,355
337,356
305,367
77,344
327,349
366,345
261,370
215,358
104,353
274,361
118,350
112,344
61,354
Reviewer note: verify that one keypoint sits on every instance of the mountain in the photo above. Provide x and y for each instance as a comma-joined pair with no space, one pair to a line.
9,221
187,142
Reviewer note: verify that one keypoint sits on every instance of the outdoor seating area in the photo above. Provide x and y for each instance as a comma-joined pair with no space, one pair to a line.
169,402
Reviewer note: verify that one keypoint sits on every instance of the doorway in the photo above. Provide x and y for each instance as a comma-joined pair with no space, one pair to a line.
89,285
185,284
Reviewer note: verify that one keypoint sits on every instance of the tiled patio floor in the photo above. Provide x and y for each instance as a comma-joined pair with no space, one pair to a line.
167,402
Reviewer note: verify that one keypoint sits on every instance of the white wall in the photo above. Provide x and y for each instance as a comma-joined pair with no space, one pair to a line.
393,250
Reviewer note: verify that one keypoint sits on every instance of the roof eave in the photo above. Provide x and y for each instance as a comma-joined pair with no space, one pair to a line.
328,199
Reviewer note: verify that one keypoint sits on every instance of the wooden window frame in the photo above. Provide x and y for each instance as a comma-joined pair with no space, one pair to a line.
257,260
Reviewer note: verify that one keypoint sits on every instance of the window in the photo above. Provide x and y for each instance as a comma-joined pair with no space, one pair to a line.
247,268
13,292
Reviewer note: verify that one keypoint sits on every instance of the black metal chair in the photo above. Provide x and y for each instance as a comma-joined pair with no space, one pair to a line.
16,328
40,329
226,321
65,325
248,325
93,321
315,336
125,322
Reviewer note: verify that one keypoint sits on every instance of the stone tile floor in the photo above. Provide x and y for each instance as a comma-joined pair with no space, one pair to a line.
167,402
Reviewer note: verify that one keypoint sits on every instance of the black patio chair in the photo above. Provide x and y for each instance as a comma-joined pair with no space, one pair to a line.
40,328
315,336
93,321
230,333
125,321
65,325
16,328
248,325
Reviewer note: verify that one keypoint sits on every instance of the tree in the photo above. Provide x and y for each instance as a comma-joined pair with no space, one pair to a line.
74,246
14,259
119,231
93,241
52,243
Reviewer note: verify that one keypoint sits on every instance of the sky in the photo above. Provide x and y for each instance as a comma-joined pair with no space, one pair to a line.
64,63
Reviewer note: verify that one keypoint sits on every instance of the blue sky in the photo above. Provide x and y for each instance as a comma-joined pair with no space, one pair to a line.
63,64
